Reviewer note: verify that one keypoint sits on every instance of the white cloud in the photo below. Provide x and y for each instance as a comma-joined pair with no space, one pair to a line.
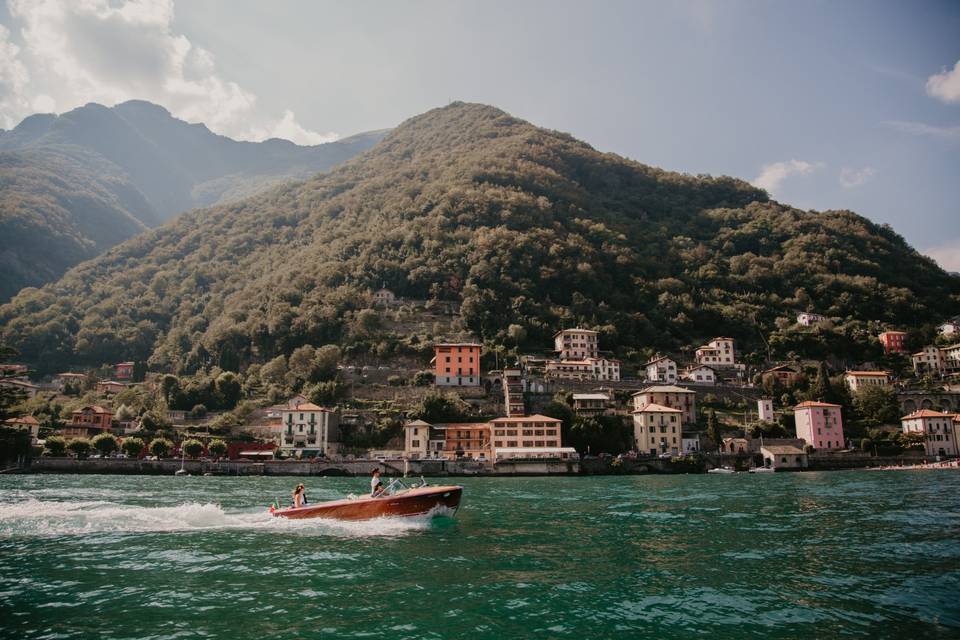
14,79
772,175
923,129
947,255
106,51
945,85
851,178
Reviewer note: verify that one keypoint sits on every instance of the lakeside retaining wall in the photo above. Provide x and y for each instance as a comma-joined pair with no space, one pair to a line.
427,468
441,468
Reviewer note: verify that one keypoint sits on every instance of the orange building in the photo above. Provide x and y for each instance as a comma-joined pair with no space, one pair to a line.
466,440
456,364
893,341
88,421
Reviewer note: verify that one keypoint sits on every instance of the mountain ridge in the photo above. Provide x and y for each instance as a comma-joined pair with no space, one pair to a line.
530,228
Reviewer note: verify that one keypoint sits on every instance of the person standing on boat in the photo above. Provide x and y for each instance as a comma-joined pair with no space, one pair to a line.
376,487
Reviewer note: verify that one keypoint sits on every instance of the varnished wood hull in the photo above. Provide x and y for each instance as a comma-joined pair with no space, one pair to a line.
415,502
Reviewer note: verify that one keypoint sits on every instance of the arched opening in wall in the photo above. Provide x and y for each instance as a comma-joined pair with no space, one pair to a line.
926,404
909,406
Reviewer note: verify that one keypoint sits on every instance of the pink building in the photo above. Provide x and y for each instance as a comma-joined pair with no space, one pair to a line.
819,424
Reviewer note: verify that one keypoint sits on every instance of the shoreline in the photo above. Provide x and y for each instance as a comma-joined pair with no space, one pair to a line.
440,468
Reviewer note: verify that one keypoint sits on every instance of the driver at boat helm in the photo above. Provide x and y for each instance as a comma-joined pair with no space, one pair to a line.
376,487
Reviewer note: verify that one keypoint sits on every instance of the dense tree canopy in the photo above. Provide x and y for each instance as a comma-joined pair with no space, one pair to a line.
531,228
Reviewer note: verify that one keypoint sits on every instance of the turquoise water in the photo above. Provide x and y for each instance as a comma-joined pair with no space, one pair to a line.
816,555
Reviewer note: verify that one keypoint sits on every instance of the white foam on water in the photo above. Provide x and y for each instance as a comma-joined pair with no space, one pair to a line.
50,518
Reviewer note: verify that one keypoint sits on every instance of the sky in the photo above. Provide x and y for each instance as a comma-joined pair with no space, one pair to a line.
827,105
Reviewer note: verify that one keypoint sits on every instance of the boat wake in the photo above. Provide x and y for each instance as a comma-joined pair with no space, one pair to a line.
38,518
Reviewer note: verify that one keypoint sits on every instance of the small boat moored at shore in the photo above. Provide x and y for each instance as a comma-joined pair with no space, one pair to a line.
396,500
721,470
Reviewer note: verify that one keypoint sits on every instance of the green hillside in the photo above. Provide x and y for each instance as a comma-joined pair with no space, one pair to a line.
74,185
533,229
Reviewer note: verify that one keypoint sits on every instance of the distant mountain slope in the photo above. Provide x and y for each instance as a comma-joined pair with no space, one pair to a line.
154,165
60,206
533,229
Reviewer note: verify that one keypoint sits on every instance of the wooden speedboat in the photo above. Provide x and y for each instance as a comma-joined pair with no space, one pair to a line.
413,501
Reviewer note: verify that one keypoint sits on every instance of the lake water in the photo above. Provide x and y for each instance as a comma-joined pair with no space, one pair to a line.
816,555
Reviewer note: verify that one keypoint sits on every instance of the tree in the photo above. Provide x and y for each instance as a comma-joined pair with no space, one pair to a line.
325,393
713,428
79,447
275,371
192,447
198,411
160,447
876,405
105,443
133,447
230,387
10,395
55,446
325,362
169,385
439,407
822,389
153,420
423,378
217,448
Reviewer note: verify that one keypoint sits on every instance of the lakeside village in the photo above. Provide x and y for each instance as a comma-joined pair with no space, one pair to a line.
573,411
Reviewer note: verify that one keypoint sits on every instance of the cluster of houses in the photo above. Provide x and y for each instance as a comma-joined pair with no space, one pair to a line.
662,413
712,362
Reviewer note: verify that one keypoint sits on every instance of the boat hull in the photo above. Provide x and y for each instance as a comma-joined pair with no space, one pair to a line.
415,502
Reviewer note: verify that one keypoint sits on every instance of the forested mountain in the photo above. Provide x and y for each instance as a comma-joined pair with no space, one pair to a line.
75,184
533,229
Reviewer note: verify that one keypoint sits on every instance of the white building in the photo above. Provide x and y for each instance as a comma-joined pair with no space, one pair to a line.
384,296
700,374
308,430
937,429
783,457
765,409
949,328
930,360
719,352
661,369
420,442
810,319
858,379
576,344
951,357
602,369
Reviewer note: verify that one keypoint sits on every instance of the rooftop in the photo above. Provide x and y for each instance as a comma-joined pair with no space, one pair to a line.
308,406
782,449
877,374
656,408
534,418
591,396
812,404
664,388
926,413
576,329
